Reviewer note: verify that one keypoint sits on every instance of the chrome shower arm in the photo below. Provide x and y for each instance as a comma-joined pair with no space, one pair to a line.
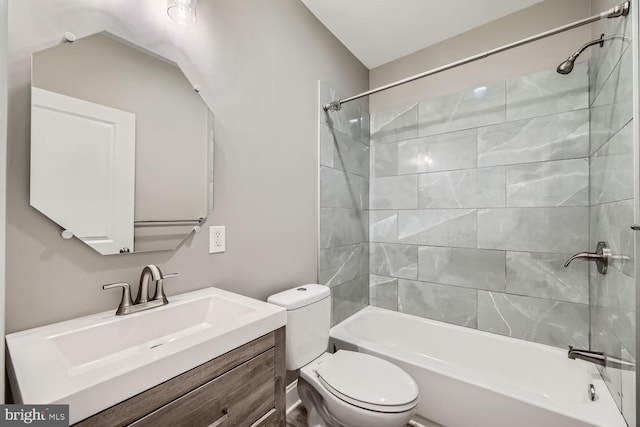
599,41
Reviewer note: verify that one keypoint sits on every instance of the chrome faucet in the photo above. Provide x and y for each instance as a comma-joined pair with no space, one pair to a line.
143,300
602,359
596,357
602,257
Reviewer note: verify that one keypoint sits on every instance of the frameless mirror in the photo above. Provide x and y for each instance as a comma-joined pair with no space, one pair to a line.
121,146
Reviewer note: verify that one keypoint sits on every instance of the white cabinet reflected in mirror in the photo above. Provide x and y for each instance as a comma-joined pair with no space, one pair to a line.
121,146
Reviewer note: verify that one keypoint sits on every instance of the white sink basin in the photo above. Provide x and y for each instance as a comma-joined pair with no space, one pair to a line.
94,362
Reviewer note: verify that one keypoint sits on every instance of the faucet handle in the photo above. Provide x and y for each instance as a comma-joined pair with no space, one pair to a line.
602,257
125,302
160,295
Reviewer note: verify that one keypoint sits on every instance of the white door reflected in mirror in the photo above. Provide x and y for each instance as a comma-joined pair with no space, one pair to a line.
83,168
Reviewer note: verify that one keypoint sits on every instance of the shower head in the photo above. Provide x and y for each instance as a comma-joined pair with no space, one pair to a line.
567,66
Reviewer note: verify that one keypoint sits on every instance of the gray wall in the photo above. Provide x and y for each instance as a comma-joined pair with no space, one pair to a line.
477,199
537,56
343,262
258,63
3,151
612,177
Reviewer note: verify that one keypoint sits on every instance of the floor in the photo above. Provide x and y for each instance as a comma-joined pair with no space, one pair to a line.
298,418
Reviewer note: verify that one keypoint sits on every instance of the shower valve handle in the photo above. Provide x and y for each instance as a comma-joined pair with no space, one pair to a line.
602,257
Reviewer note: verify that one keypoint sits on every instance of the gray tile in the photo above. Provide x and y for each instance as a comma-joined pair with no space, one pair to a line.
622,324
340,265
613,108
612,178
604,60
554,137
456,150
383,292
383,226
438,227
464,110
387,259
384,159
339,189
604,340
612,290
559,230
606,120
469,188
471,268
547,92
449,304
348,154
364,259
610,223
349,298
394,124
351,156
394,192
626,331
544,276
327,145
342,227
620,143
557,183
545,321
365,124
366,195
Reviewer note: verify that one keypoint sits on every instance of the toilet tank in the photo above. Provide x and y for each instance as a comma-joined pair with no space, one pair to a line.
308,322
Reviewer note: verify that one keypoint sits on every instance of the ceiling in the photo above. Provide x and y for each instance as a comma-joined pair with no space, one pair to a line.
379,31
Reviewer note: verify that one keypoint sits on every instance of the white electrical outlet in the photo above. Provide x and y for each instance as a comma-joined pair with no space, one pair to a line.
217,239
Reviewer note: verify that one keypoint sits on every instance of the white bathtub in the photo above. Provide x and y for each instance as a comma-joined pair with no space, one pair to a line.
470,378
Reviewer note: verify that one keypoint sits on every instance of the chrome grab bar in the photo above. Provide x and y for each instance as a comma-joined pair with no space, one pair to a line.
167,222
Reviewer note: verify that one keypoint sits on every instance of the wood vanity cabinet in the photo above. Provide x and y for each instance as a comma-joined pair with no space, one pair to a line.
244,387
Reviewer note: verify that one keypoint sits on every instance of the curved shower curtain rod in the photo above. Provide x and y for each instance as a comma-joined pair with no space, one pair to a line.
620,10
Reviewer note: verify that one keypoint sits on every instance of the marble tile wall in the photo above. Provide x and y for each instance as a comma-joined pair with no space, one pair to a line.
343,175
611,178
477,199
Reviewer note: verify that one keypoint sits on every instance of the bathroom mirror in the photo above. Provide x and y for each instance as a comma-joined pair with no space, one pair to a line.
121,146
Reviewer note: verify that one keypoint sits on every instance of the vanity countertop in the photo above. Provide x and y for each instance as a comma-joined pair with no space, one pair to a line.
96,361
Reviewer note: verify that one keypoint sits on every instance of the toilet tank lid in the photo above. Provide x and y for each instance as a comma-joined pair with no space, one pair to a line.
299,296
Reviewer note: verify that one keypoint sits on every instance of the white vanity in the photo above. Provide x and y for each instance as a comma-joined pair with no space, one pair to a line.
210,356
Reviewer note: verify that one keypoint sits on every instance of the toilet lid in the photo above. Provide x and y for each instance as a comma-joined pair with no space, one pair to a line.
367,379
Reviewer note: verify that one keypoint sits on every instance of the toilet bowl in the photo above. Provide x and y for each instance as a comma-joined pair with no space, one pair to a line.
346,388
354,390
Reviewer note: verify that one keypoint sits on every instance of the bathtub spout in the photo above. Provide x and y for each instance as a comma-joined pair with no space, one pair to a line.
602,359
596,357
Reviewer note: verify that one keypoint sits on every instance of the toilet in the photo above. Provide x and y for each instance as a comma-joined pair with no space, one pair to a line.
346,388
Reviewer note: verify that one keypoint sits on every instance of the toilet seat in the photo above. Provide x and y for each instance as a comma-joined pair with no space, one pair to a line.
367,382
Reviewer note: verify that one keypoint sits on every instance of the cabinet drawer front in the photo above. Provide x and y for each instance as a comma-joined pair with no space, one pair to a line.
237,398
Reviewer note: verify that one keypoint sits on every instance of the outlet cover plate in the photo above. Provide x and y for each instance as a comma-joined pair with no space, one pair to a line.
217,239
